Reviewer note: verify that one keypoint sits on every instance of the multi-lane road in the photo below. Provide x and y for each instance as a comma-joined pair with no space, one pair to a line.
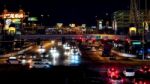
92,67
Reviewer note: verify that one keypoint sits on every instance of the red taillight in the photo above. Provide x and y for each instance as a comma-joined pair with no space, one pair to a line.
141,70
122,80
144,83
112,80
145,66
116,39
135,83
112,69
140,82
112,74
117,72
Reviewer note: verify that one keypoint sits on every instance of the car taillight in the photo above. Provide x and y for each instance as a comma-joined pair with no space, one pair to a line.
117,72
122,80
140,82
135,83
112,80
149,70
145,66
141,70
112,74
144,83
112,69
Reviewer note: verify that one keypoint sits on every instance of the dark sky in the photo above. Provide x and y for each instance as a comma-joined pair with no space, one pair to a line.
78,11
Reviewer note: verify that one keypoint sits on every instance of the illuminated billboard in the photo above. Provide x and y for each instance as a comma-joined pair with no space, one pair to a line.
13,15
32,19
59,24
72,25
136,42
83,25
16,21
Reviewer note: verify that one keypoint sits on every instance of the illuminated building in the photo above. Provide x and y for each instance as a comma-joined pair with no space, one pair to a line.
122,18
12,28
13,18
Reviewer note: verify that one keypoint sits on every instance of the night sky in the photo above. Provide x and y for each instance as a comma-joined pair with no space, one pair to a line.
66,11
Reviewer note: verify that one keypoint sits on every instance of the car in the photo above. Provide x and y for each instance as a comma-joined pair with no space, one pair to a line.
40,65
46,61
67,52
113,72
148,56
129,72
144,69
75,51
116,80
13,60
141,81
93,49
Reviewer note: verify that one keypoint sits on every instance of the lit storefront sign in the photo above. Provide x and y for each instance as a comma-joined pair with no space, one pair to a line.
132,30
59,25
13,15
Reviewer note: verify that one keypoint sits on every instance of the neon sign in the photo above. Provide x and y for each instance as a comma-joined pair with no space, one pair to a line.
13,15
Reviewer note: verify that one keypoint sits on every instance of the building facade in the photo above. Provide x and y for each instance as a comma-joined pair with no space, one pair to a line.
123,19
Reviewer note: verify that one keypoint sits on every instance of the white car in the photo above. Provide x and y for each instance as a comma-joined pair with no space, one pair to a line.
40,65
46,61
129,72
13,60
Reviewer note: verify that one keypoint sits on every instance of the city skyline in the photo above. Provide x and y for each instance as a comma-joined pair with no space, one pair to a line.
73,11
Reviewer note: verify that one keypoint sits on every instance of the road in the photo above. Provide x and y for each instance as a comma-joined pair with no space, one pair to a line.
91,70
96,56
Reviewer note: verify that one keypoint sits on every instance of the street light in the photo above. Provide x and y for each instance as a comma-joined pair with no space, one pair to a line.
42,19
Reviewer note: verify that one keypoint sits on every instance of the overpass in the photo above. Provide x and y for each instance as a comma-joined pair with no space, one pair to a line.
86,36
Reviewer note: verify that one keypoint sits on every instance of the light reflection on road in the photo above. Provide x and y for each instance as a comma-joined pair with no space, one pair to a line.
70,54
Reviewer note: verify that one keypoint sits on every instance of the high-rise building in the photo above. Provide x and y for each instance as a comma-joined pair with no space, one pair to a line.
123,18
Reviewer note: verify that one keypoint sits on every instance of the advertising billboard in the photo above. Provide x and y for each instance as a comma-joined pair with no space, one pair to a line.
32,19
